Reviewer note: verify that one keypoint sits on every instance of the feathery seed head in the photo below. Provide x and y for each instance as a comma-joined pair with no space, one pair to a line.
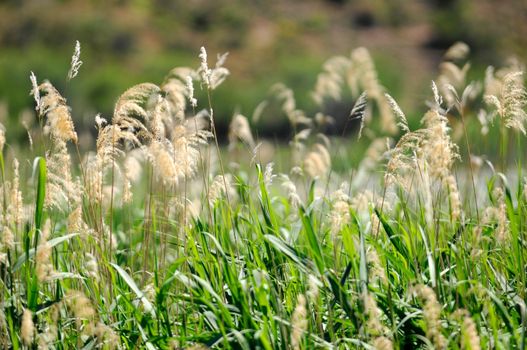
382,343
8,242
438,100
75,222
402,122
76,63
432,315
176,89
362,73
106,336
132,165
4,342
239,129
190,91
92,267
292,193
27,330
331,81
340,213
283,98
470,339
317,162
62,191
458,51
359,110
127,194
376,270
82,309
451,79
44,267
221,187
313,288
15,207
35,91
100,122
511,101
204,70
498,214
454,197
141,109
374,326
163,161
268,174
299,322
59,123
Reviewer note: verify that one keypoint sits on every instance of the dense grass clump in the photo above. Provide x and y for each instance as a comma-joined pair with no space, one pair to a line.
160,238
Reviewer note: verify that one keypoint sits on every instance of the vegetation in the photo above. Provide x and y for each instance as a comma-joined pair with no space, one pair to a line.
159,238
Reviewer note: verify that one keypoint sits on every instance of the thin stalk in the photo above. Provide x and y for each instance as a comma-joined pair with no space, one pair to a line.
147,223
471,167
213,122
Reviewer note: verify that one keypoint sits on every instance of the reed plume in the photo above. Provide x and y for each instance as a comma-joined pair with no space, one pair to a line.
81,307
452,77
374,326
178,89
497,213
470,339
281,99
362,74
340,213
317,162
432,315
299,322
511,101
27,329
4,341
63,190
239,129
376,271
458,51
291,191
76,63
382,343
221,187
44,267
330,82
14,211
429,154
212,78
53,107
358,73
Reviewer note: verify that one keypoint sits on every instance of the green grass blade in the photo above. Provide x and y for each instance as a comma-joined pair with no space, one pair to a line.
133,286
394,238
313,240
52,243
40,164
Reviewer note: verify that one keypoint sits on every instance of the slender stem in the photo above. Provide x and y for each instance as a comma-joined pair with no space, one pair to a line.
470,162
213,122
503,146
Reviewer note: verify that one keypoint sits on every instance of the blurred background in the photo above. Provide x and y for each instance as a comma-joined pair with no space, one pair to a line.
269,41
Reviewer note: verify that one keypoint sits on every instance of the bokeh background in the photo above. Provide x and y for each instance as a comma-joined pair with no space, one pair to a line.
269,41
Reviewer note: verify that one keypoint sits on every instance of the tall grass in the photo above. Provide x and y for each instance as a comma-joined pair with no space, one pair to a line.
157,240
